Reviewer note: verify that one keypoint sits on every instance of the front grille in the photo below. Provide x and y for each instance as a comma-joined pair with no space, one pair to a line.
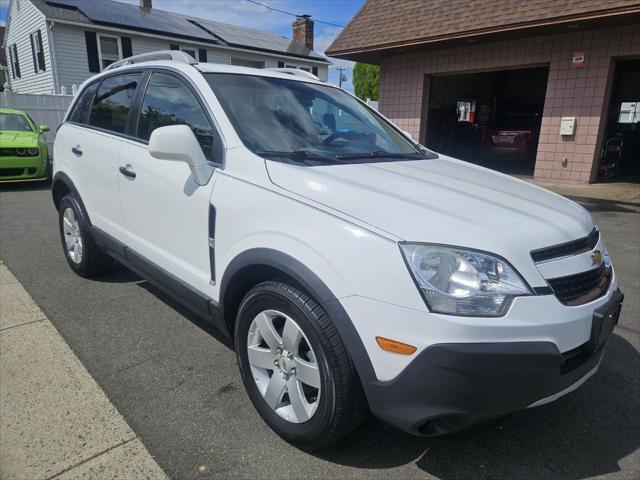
582,287
11,172
8,152
18,152
575,247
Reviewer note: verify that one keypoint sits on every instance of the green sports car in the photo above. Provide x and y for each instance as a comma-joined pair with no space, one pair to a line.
23,150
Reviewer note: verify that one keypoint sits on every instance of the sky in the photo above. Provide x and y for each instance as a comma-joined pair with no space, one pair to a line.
247,14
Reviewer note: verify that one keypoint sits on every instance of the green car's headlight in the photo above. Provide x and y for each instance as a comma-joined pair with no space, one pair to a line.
33,151
458,281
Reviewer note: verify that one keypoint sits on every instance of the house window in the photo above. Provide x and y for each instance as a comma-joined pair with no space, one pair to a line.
190,51
314,70
37,52
109,50
241,62
280,64
15,65
306,69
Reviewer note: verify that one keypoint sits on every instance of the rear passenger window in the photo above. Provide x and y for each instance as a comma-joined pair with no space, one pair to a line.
111,105
80,113
168,101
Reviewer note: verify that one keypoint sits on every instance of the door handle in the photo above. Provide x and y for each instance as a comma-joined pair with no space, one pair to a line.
76,151
127,171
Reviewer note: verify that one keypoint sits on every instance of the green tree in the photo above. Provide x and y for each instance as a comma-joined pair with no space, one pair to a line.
366,81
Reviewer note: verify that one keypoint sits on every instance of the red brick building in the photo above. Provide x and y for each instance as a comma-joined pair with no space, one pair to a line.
540,87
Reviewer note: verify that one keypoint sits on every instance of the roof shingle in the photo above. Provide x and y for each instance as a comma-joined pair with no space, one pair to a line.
381,23
123,15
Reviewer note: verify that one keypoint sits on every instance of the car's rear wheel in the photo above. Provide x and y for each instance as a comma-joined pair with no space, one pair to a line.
295,367
82,254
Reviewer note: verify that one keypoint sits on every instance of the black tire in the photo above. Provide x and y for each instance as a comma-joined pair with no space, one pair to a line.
93,260
342,405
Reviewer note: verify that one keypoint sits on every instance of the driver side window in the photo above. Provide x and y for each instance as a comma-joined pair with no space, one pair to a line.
168,101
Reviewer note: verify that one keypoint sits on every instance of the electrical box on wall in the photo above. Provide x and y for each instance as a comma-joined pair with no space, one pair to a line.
567,125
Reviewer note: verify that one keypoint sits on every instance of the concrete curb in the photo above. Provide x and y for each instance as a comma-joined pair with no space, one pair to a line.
55,421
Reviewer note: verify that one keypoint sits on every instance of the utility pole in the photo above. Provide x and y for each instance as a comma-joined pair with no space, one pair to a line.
341,77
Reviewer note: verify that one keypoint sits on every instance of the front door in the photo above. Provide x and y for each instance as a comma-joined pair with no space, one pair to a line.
165,212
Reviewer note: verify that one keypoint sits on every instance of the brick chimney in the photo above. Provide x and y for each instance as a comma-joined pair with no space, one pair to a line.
303,30
145,4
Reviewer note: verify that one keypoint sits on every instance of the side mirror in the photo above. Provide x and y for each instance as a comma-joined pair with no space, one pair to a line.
178,143
43,128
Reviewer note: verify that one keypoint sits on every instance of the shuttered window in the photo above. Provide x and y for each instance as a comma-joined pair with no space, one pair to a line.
109,49
15,64
37,52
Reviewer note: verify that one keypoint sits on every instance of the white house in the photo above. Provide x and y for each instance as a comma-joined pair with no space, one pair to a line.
59,43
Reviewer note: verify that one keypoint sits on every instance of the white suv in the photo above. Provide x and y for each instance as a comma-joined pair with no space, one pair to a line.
354,270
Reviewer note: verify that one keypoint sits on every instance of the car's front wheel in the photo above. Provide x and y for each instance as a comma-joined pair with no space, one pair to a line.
295,367
82,254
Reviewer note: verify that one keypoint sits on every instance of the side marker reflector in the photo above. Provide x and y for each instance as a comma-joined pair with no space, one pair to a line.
395,347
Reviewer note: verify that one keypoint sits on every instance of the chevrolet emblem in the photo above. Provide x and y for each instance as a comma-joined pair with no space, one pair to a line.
596,257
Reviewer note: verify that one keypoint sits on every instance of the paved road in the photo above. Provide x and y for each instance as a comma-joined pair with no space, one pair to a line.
178,386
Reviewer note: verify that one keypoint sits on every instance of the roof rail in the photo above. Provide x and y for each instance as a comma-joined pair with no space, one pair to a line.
296,72
175,55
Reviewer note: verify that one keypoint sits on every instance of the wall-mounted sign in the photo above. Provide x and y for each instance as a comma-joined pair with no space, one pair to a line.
567,126
578,60
629,112
466,111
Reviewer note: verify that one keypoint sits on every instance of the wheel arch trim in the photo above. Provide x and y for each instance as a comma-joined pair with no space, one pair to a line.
61,177
315,287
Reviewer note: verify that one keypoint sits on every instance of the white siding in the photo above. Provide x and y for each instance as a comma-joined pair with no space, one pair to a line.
71,55
23,20
73,66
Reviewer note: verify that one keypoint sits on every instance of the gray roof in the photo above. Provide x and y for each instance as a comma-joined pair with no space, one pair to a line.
133,17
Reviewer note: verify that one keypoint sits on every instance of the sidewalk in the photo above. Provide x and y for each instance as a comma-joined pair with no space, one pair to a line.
614,192
55,421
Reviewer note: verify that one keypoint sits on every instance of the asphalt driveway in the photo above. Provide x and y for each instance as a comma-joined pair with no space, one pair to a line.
179,389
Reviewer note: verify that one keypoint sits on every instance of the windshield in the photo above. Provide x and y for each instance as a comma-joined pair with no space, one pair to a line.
297,120
14,122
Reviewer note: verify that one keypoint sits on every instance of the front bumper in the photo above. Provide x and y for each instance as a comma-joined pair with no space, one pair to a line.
450,386
23,168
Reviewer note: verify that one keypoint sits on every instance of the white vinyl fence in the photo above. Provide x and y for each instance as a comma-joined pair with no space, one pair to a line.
46,110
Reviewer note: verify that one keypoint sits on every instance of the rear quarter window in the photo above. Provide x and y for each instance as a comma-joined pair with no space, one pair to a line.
80,112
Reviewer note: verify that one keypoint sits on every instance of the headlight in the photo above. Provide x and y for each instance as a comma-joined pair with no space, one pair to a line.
21,151
33,151
463,282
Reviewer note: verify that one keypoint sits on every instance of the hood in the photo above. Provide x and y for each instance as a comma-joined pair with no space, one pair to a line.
13,139
443,201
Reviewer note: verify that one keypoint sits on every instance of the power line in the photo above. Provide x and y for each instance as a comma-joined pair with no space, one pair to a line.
292,14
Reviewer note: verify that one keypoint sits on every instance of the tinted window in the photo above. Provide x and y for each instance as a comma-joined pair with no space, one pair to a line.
168,101
111,104
82,108
14,122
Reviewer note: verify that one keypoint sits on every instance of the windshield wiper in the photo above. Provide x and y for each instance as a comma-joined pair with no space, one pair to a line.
297,155
376,154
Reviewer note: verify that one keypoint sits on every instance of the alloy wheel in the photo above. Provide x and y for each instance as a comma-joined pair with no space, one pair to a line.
72,236
284,366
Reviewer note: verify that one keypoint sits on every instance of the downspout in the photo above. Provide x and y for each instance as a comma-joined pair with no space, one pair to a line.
52,55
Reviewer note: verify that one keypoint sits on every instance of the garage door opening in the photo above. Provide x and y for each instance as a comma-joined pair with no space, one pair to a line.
490,119
620,152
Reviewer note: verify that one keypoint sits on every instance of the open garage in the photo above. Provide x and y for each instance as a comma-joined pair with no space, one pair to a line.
489,118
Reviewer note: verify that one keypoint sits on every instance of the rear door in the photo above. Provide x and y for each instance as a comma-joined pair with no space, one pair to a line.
92,139
166,214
